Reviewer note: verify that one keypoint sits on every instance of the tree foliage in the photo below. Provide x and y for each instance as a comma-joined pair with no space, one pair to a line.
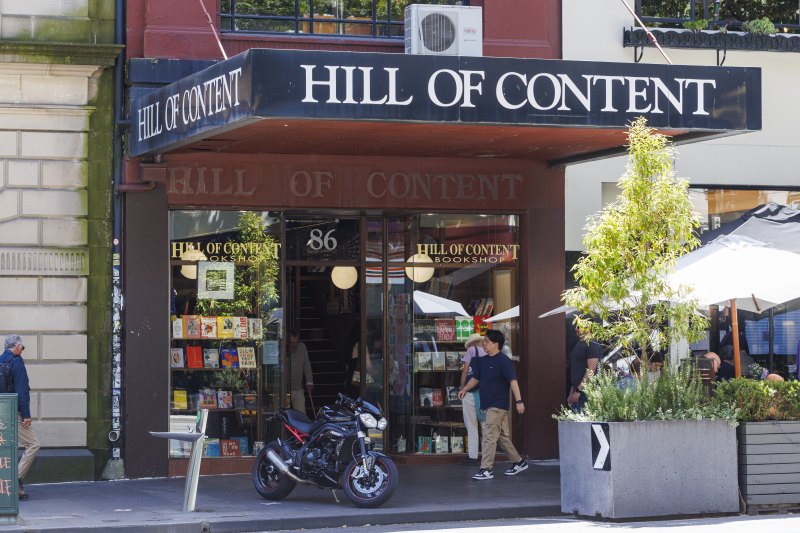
256,275
621,296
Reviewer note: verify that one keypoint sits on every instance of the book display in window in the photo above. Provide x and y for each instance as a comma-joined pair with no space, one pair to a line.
437,419
210,358
247,357
229,358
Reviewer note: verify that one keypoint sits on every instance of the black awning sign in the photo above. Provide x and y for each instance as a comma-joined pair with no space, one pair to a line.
301,84
601,447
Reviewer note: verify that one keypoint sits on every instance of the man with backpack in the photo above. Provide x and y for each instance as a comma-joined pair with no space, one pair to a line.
14,378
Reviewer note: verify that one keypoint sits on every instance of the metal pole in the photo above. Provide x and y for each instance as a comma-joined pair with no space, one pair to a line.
737,364
193,469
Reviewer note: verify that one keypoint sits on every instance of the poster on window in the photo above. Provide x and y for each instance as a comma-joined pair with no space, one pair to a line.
215,280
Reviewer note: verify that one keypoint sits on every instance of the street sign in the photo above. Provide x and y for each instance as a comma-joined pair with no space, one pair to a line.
601,447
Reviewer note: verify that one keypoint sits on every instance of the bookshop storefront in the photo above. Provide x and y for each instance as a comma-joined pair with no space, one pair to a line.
382,217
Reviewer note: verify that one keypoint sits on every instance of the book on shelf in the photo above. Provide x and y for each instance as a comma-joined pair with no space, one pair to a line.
255,328
225,327
426,397
194,357
452,360
489,307
176,358
191,327
423,444
425,329
441,444
229,358
247,357
240,328
179,399
482,324
225,399
423,361
177,328
452,397
229,448
445,330
456,444
207,399
464,328
437,398
208,327
258,445
210,358
211,448
438,360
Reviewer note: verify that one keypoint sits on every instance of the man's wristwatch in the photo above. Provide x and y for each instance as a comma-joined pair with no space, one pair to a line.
519,401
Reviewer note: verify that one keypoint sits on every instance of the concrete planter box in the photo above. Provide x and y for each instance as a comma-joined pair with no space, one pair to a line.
657,468
769,463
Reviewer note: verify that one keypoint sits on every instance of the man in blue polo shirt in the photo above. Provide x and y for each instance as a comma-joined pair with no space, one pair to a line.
496,375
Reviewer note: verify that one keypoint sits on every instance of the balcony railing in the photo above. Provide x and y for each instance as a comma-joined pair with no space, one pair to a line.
729,14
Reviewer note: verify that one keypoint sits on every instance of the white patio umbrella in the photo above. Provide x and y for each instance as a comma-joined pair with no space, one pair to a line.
432,305
740,272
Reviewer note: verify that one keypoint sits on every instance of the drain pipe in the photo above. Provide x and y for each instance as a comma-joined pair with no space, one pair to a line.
115,468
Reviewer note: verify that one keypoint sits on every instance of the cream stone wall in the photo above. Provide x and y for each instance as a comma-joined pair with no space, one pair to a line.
44,120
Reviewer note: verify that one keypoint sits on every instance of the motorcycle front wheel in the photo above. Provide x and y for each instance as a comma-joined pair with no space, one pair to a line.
370,488
270,482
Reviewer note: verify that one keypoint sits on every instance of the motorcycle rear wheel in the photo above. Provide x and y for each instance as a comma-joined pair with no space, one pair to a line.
370,489
270,482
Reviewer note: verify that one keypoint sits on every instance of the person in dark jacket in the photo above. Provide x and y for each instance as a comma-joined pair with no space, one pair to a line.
25,435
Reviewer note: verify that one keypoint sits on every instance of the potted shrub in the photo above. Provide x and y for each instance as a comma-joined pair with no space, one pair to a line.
657,431
769,440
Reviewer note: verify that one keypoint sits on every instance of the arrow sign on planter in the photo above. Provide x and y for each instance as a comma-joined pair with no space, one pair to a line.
601,447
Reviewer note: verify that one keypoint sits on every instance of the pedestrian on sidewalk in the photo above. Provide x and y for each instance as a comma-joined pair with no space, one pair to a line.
19,384
473,416
496,375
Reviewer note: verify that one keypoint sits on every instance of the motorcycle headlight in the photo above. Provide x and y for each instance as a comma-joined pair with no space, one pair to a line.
382,424
367,420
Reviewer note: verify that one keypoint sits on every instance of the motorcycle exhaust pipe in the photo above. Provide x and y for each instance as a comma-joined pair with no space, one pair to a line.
281,465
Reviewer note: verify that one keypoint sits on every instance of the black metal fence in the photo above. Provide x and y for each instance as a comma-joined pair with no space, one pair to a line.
353,18
730,14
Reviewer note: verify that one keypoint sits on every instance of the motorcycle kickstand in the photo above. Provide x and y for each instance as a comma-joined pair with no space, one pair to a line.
333,491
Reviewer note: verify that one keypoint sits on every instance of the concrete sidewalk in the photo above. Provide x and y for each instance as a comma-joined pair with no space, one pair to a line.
429,493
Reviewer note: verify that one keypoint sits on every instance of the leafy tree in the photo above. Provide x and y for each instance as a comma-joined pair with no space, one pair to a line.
256,275
621,296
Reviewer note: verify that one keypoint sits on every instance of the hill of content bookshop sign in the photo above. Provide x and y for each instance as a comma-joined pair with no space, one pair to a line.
264,84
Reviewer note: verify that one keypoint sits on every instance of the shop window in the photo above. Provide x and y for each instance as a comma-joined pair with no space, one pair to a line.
225,313
356,18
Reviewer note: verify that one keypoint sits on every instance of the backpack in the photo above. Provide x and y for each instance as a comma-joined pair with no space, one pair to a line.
6,377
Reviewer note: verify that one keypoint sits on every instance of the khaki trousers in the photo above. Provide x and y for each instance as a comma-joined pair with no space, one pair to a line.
27,439
495,431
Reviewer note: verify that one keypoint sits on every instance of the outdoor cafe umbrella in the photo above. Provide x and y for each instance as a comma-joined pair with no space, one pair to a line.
508,314
740,272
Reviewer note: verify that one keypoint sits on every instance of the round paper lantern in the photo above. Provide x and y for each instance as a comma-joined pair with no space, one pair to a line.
419,274
344,277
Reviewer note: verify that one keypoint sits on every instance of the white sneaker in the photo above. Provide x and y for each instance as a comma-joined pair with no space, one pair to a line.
516,468
484,474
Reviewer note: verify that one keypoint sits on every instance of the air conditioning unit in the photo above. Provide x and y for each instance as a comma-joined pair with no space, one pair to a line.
444,30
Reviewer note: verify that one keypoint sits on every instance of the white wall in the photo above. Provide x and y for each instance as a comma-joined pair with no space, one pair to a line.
592,31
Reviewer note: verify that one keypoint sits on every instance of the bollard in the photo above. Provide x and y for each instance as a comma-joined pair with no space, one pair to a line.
193,469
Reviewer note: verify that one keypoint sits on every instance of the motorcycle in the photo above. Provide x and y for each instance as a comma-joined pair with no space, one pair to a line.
332,452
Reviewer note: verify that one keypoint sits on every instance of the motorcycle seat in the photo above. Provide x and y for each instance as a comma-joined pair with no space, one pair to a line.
299,420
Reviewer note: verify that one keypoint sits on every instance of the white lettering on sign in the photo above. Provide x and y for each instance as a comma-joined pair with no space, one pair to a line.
364,79
544,91
186,108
